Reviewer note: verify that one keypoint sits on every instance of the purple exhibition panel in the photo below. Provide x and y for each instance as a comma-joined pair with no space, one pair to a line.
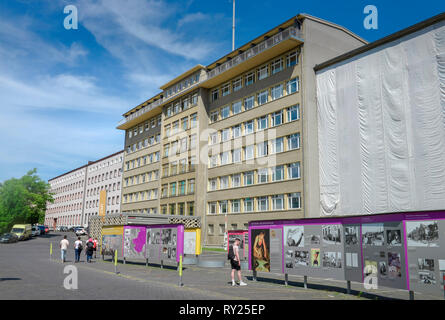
165,242
134,242
399,250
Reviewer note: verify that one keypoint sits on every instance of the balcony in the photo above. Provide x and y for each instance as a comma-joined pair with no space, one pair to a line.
257,54
125,123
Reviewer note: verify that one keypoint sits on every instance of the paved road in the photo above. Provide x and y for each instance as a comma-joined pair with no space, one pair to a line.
26,272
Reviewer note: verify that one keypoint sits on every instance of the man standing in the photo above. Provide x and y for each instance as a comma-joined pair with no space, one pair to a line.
77,249
89,249
235,262
64,243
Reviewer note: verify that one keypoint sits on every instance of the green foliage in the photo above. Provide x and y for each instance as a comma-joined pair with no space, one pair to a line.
23,200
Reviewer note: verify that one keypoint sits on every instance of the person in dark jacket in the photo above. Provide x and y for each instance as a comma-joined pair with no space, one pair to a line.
89,249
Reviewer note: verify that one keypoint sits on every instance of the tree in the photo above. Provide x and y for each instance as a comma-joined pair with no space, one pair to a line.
23,200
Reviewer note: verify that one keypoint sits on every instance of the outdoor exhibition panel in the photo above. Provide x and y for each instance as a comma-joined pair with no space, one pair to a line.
192,241
400,250
165,243
112,239
135,242
243,235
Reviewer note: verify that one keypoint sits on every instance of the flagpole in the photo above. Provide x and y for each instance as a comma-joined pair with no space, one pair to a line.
233,27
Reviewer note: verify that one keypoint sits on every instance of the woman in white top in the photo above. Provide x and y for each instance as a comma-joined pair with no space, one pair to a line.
77,249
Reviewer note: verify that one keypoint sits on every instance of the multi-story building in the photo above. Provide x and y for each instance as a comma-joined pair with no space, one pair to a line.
140,191
103,176
68,191
239,136
77,193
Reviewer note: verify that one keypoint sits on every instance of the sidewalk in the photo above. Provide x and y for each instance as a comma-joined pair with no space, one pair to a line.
215,283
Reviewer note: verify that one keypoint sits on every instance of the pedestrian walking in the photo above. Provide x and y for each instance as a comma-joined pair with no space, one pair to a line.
77,249
235,262
96,243
89,249
64,243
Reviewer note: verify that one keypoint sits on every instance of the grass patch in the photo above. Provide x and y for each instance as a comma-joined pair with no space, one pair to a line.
214,249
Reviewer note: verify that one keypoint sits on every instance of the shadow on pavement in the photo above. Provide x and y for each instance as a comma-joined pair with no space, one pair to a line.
315,286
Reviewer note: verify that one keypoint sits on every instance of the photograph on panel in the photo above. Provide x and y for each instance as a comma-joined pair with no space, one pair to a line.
422,233
383,269
332,260
351,259
394,265
314,239
302,258
352,235
260,250
294,236
331,234
315,257
394,237
373,234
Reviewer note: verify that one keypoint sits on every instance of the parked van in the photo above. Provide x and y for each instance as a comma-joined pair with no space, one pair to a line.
35,231
22,231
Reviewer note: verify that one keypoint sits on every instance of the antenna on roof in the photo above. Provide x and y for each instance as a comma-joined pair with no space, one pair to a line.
233,27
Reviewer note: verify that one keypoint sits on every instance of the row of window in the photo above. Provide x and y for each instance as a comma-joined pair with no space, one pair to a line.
104,176
96,191
250,102
147,142
95,203
174,128
142,161
179,167
250,77
152,123
142,178
181,105
68,187
104,164
222,228
180,208
180,188
182,85
66,208
141,196
143,211
290,201
180,146
267,121
258,176
250,152
68,197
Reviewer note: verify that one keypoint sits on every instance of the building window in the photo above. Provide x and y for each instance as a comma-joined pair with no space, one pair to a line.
248,205
191,186
237,84
236,180
223,207
292,59
263,175
225,135
262,149
191,208
193,120
249,152
236,206
236,107
224,182
225,89
249,103
293,113
172,208
181,208
277,118
172,189
262,73
248,178
278,173
263,204
225,112
277,92
292,86
213,183
262,123
215,95
293,141
293,170
236,155
213,138
213,116
212,207
211,229
249,79
193,141
183,145
248,127
277,145
262,97
164,209
182,187
278,202
236,131
225,158
294,200
276,66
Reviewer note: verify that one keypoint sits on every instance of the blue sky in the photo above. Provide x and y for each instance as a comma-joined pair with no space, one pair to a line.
62,92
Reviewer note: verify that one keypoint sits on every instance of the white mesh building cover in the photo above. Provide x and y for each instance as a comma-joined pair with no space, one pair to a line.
381,128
